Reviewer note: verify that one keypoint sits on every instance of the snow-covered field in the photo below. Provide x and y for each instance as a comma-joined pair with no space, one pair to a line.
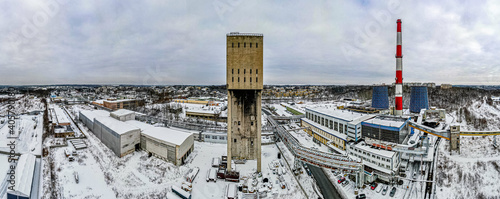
475,172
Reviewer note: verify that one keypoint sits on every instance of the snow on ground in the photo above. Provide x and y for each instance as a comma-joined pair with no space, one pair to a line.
468,175
204,152
306,181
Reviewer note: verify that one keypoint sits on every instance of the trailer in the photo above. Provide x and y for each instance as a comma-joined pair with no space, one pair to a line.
192,174
212,175
216,162
181,193
231,191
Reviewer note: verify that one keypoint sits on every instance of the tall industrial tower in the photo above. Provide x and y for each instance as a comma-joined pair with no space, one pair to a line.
399,73
244,62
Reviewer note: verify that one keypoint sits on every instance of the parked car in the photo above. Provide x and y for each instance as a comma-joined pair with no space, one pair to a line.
345,183
379,189
374,185
361,196
415,175
384,190
393,192
341,180
71,158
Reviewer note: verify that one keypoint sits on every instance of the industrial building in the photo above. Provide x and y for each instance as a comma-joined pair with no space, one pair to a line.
59,117
120,137
25,170
122,104
87,117
384,131
169,144
207,115
120,132
123,115
342,121
244,69
378,162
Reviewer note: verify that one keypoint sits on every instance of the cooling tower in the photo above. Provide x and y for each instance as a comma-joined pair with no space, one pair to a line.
418,99
380,97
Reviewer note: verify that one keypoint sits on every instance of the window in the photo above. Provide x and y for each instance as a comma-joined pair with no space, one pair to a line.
256,71
238,79
250,79
245,45
232,45
238,71
244,79
232,79
234,140
250,71
251,143
232,71
207,136
244,71
256,79
222,137
256,45
251,123
238,44
239,123
214,137
250,45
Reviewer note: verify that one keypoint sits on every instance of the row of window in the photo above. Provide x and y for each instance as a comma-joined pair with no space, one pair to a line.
215,137
372,161
245,45
245,79
245,71
332,124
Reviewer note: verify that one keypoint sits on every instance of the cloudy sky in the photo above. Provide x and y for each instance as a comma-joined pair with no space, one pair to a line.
305,42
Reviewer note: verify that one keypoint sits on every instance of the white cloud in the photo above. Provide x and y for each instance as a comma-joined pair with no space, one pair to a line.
183,42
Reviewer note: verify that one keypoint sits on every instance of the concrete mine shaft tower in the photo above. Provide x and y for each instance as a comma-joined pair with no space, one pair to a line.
244,67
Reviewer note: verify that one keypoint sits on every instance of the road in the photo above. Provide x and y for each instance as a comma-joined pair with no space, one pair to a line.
325,185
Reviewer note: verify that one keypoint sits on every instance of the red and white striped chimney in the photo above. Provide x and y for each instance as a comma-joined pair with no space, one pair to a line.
399,73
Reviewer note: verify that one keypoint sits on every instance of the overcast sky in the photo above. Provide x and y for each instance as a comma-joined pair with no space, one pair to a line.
305,42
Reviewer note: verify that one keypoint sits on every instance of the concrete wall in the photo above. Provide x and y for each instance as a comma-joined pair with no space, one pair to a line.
246,58
128,141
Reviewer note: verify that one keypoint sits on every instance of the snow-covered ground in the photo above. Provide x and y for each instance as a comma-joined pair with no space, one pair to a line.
473,173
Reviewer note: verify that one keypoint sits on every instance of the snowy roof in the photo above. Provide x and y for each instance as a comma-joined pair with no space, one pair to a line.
93,114
168,135
386,121
61,117
142,125
24,174
122,100
122,112
326,129
117,126
366,147
336,113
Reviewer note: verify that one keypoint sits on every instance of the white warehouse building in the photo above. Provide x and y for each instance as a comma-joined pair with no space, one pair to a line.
120,137
122,134
169,144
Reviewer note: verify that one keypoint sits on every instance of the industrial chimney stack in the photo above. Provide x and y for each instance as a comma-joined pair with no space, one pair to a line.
399,73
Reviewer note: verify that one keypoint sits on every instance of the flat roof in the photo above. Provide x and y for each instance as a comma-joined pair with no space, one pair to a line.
117,126
344,115
386,122
139,124
61,117
122,112
244,34
326,129
168,135
24,174
122,100
93,114
366,147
